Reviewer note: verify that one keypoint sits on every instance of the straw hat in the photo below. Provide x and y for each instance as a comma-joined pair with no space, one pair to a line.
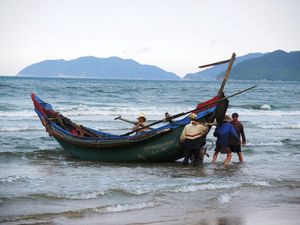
141,115
193,116
227,118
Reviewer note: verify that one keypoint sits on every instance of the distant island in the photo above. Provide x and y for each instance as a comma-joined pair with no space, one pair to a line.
277,65
213,72
102,68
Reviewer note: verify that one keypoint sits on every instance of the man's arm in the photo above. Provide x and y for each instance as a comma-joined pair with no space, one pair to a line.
182,137
216,133
243,135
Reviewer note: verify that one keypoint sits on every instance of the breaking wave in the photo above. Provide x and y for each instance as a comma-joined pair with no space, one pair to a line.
253,112
73,196
262,107
14,179
20,129
256,144
125,207
117,208
85,110
21,113
279,126
224,199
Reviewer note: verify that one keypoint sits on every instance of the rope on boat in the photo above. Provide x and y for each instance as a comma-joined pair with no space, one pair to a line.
211,144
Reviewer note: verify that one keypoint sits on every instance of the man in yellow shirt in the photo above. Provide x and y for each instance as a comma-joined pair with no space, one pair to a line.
192,139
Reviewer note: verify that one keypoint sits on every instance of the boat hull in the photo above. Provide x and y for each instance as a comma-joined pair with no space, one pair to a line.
165,148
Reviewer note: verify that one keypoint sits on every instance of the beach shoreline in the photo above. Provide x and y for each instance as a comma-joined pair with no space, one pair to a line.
262,206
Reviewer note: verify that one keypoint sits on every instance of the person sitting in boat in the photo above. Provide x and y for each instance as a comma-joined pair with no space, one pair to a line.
224,133
192,139
141,122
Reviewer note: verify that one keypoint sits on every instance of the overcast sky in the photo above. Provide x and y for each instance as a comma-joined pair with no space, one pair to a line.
176,35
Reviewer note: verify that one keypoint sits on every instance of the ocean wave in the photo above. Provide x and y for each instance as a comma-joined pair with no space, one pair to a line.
257,107
21,113
171,188
85,110
19,129
117,208
256,183
125,207
253,112
72,196
255,144
13,179
279,126
263,107
195,187
224,199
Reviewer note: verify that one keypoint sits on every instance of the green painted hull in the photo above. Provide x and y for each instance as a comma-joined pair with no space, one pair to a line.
164,148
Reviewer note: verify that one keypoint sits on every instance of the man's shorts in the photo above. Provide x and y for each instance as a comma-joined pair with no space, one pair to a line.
222,150
236,148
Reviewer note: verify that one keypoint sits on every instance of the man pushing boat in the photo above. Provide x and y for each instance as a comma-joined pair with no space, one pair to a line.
193,139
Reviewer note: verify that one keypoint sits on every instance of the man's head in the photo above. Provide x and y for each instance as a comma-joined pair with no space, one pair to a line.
235,117
141,118
193,116
226,118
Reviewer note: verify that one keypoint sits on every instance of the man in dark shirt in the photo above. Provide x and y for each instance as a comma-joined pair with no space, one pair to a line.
224,133
236,145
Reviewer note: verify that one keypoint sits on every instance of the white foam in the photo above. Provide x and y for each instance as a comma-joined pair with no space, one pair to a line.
261,183
265,107
194,188
255,112
82,110
279,126
124,207
224,199
11,179
265,144
85,110
16,129
82,196
21,113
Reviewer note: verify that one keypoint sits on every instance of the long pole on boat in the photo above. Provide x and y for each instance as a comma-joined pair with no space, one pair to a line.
193,110
215,64
231,61
125,120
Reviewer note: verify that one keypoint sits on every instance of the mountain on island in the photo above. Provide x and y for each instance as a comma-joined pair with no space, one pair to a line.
213,72
93,67
277,65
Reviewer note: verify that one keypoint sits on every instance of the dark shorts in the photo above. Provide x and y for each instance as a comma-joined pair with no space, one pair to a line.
223,150
194,144
236,148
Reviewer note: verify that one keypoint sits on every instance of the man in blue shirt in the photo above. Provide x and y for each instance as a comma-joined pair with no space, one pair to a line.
224,133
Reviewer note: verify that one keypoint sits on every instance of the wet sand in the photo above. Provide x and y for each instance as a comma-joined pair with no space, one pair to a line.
264,206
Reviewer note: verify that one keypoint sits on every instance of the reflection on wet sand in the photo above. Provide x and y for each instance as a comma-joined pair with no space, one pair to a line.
222,221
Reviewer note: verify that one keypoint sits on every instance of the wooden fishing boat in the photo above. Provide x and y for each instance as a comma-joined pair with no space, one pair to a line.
156,145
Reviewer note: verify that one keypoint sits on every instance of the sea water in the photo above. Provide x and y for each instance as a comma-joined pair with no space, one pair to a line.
41,183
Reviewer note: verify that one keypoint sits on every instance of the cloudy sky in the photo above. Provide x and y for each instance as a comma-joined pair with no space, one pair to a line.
176,35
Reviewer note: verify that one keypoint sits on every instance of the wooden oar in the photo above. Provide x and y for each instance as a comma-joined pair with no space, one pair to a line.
193,110
214,64
125,120
226,74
